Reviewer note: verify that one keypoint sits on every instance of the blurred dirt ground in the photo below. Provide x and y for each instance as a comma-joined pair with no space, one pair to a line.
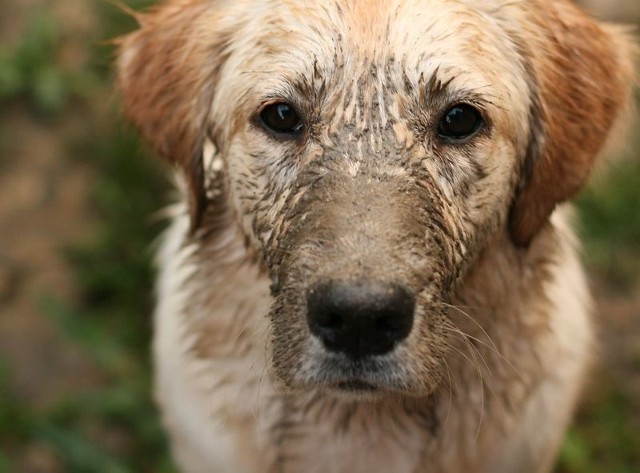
46,206
43,207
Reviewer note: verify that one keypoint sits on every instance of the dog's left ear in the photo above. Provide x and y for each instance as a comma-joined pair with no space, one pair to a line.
167,72
581,86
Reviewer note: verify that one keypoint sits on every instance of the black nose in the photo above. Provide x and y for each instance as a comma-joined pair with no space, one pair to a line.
360,318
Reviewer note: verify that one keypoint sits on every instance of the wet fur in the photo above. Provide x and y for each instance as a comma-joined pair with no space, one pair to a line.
489,376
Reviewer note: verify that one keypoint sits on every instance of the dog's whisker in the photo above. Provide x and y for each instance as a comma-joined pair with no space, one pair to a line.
475,363
494,350
468,341
491,347
450,389
458,310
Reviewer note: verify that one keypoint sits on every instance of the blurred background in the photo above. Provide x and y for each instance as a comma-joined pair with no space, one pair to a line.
77,198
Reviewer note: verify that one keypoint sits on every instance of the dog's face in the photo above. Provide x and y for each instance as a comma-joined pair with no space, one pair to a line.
369,150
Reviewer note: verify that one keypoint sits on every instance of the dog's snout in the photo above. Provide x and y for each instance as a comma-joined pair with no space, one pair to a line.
360,318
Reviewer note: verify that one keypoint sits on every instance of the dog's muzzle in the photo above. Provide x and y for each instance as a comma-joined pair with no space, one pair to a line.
360,318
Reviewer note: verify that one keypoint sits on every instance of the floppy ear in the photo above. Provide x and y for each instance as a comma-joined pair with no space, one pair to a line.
581,85
167,72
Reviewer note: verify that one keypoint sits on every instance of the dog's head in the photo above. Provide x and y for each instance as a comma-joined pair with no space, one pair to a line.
369,150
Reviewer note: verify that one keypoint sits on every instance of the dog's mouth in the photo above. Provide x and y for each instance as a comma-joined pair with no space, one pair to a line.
343,376
355,389
354,386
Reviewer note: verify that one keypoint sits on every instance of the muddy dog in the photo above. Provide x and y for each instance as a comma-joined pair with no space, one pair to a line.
368,271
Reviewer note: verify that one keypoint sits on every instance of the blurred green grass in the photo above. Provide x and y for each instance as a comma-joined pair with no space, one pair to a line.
111,324
610,222
29,69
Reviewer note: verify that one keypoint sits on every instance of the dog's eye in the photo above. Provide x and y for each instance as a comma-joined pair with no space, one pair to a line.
460,122
281,118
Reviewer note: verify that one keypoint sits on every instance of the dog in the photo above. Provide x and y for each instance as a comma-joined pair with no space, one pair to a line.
371,266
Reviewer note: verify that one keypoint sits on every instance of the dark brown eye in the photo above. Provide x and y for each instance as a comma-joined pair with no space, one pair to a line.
460,122
281,118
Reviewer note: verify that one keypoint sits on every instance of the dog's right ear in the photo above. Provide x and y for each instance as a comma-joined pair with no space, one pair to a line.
167,72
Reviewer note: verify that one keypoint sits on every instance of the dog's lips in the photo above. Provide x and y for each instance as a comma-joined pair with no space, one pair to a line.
354,385
355,389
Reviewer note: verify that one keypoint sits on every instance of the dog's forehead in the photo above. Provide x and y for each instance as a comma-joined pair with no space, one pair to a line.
341,42
330,33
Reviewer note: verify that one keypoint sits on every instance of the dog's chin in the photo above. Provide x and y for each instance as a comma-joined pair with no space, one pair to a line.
355,390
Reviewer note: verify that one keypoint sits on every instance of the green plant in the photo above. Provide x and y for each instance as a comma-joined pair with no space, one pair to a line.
30,69
610,223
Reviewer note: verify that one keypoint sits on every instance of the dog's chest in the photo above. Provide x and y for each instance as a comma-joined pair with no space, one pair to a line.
254,428
332,436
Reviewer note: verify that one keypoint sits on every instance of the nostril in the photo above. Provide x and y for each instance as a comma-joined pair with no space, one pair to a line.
384,324
331,321
327,325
